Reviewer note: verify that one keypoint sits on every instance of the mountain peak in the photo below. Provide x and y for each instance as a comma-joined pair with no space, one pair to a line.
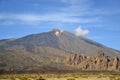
57,32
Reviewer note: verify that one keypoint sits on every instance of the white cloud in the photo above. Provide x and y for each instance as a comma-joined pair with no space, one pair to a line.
80,32
78,11
56,17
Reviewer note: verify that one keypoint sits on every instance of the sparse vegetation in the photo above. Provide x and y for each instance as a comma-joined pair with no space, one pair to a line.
64,76
41,78
71,79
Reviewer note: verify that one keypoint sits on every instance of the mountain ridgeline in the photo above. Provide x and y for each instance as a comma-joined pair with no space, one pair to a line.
55,51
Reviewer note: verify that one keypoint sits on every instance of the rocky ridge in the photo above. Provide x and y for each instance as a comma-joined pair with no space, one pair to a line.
100,62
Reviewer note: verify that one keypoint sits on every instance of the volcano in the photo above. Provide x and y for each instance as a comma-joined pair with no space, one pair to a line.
56,50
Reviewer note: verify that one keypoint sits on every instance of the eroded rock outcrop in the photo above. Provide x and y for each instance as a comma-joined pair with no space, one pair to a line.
100,62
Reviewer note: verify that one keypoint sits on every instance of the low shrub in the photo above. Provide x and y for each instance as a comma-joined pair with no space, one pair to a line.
71,79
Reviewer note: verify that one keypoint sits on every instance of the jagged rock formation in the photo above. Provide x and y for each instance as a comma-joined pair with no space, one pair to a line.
100,62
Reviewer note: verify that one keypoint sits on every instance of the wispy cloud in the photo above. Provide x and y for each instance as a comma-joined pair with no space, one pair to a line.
76,11
75,1
80,32
85,8
64,18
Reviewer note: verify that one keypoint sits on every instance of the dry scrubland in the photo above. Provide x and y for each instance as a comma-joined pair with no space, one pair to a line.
67,76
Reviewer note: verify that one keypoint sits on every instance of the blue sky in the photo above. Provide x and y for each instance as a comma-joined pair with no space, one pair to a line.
98,20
